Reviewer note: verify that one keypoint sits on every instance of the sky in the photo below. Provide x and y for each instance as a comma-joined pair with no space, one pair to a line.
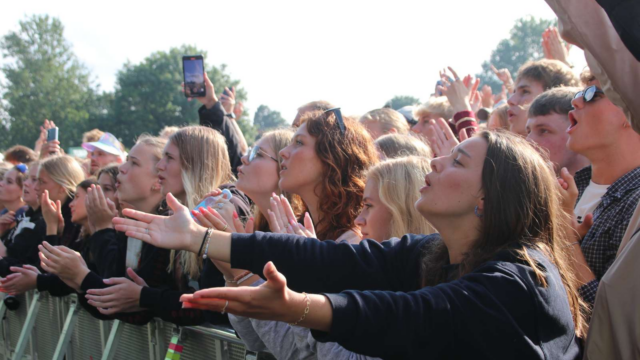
356,54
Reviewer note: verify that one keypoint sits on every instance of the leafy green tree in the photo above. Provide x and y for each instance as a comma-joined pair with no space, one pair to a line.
44,80
265,119
148,97
523,44
401,101
249,130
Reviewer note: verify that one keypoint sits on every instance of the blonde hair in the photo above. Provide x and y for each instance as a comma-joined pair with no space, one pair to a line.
64,171
389,118
205,166
436,105
167,131
92,135
156,143
397,145
503,117
278,139
398,183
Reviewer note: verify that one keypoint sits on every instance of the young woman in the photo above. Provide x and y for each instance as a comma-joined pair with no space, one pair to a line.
11,197
107,179
58,176
325,165
495,283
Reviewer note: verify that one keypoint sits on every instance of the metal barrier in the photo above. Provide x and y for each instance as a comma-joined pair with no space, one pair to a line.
46,327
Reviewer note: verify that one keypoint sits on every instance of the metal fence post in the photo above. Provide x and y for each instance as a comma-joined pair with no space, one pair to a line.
67,329
28,326
114,336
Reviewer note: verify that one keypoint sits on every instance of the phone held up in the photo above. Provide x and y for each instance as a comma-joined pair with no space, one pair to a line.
52,134
193,70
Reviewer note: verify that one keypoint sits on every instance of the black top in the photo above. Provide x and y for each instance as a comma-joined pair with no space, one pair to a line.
215,119
498,311
22,242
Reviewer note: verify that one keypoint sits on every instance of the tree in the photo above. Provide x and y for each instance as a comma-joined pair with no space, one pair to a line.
249,130
44,80
147,95
523,44
399,102
265,119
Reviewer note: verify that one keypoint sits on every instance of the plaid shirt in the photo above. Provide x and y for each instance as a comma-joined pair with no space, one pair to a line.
610,221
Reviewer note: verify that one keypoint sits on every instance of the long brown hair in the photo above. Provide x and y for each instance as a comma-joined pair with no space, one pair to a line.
345,158
522,212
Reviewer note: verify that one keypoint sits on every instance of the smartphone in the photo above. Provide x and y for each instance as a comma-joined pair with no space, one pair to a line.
52,134
227,92
193,71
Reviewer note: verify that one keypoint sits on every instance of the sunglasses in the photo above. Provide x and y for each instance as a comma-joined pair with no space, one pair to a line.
253,152
588,94
339,119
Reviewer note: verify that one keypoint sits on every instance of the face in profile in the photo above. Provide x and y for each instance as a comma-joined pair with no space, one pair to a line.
138,175
77,206
10,190
29,194
375,128
422,126
453,188
301,168
526,91
100,159
170,171
550,133
259,173
45,182
375,218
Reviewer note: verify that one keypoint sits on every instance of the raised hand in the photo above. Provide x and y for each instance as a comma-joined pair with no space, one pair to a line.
486,97
100,210
122,296
167,232
228,99
441,139
459,92
282,219
569,193
211,218
7,221
238,109
553,46
505,76
52,214
22,280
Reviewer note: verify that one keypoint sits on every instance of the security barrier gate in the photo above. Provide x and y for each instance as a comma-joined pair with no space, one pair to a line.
46,327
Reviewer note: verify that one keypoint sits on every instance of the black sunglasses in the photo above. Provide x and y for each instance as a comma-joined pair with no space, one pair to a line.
253,152
339,119
588,94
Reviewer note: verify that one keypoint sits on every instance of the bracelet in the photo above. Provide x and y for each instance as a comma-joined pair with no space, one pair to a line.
306,310
573,243
203,239
240,278
206,249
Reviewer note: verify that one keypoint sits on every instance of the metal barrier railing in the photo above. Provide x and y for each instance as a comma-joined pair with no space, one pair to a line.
46,327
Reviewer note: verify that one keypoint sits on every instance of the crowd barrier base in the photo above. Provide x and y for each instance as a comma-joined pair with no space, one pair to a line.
46,327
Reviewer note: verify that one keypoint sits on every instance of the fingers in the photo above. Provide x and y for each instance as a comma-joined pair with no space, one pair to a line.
287,209
143,218
586,225
474,87
308,224
463,135
237,224
249,226
455,75
275,279
493,68
173,203
136,279
49,251
274,225
202,219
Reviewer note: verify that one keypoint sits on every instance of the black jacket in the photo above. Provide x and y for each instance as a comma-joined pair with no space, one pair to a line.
22,242
215,119
498,311
624,15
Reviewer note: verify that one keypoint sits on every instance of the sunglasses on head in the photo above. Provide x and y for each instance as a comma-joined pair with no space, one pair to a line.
253,152
588,94
339,119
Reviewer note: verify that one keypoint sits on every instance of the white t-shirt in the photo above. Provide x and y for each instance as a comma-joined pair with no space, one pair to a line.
590,200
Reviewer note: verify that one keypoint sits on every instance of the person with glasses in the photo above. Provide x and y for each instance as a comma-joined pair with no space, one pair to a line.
547,127
608,191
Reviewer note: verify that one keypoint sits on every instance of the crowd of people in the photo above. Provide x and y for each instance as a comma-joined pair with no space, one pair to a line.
475,225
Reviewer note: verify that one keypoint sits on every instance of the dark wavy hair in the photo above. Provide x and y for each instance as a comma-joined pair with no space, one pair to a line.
345,159
522,212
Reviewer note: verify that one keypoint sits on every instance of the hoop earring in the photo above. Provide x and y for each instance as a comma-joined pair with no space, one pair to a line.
475,211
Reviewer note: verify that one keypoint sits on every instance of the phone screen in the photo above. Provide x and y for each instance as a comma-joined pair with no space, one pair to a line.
52,134
193,69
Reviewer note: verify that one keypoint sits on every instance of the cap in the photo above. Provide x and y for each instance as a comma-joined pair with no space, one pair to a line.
407,112
107,143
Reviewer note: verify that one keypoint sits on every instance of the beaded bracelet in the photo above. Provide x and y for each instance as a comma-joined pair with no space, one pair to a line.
306,310
206,234
208,238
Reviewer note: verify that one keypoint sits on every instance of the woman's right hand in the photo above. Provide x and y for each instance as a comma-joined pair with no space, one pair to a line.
178,231
282,220
7,221
100,210
210,98
52,214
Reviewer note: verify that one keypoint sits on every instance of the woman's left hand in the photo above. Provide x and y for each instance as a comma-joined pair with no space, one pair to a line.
67,264
122,296
269,301
282,220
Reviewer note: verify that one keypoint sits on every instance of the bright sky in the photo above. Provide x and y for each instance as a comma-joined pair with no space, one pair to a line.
356,54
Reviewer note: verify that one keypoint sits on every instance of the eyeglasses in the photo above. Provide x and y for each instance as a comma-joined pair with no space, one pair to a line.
588,94
253,152
339,119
